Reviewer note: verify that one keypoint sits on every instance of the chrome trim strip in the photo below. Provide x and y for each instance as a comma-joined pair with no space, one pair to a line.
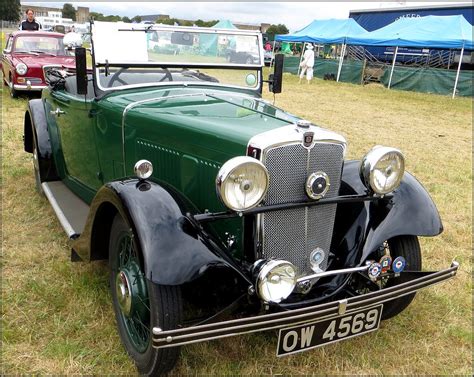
173,338
333,272
58,211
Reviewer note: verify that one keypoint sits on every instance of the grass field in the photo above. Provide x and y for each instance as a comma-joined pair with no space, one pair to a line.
57,316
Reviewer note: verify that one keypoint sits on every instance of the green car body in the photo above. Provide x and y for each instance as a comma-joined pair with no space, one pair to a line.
188,134
179,258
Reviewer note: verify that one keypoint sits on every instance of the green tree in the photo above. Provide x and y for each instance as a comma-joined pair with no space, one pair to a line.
69,11
126,19
10,10
276,29
137,19
97,16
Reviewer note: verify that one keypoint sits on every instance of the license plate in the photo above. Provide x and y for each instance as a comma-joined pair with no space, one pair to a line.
304,337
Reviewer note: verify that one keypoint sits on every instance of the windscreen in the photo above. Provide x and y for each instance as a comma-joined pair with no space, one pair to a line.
118,43
39,45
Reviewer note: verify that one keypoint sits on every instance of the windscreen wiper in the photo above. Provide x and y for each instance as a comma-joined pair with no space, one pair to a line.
43,52
26,52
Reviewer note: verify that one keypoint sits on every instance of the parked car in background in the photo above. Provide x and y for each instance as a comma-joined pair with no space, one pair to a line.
27,54
219,213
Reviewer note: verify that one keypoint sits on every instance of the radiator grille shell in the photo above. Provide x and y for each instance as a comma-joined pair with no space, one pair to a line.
293,234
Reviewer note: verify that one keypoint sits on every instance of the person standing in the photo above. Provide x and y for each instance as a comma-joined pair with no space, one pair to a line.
30,22
307,63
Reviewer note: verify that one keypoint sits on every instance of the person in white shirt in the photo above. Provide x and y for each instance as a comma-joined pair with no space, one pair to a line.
307,63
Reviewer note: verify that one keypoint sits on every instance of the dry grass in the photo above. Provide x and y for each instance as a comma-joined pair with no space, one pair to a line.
57,316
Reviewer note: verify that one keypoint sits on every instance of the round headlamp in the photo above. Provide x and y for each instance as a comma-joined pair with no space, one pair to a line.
276,279
21,68
242,183
382,169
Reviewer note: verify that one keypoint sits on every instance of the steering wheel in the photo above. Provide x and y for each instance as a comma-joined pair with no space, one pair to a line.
167,75
115,77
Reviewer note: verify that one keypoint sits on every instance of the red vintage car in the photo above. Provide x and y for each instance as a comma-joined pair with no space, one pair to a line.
27,54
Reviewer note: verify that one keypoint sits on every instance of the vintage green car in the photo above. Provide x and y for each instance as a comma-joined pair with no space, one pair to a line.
219,213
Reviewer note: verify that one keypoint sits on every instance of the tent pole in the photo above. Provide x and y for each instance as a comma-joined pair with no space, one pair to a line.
273,55
341,59
301,58
393,66
457,73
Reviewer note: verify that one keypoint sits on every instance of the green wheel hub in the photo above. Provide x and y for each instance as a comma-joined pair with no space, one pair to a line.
132,295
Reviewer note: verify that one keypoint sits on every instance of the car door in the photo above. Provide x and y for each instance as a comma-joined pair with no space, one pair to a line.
71,113
6,59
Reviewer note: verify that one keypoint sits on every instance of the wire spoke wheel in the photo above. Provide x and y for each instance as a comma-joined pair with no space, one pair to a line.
132,294
140,304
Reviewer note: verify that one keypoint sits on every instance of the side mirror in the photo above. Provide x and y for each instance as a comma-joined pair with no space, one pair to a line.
81,70
276,78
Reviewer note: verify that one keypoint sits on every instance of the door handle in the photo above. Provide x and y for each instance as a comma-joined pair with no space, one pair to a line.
57,112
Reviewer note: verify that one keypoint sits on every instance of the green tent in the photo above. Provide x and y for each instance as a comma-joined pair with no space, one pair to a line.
208,43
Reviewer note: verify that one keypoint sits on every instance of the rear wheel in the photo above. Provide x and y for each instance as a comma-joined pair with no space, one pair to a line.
36,169
407,247
139,304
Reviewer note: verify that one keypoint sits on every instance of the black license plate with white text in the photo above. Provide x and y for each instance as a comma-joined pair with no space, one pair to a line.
304,337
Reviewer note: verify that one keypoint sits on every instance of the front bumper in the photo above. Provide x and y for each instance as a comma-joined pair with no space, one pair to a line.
413,281
31,87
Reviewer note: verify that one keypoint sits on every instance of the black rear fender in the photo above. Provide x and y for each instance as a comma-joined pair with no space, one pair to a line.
36,132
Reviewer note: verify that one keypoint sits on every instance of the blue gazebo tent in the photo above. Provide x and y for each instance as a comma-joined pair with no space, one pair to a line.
329,31
448,32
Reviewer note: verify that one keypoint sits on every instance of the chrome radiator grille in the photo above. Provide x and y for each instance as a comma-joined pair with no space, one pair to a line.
292,234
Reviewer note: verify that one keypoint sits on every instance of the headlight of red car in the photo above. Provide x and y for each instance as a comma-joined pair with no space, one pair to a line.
21,68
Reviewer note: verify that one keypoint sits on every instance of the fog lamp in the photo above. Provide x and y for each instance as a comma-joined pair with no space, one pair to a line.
242,183
276,279
143,169
382,169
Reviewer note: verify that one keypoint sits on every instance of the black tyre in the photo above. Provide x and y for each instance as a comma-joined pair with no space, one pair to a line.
13,91
139,304
36,169
407,247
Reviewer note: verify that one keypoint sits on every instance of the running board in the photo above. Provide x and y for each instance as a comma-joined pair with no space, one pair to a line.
70,210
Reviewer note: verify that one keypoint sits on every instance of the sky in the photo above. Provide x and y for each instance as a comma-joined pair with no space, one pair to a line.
295,15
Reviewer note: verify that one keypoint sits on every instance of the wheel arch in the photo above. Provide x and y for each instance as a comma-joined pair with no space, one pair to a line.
363,227
36,132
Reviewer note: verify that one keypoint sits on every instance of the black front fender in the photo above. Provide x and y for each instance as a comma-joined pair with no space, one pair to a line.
175,250
361,228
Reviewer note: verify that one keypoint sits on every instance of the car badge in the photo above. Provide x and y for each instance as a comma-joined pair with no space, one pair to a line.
317,185
374,271
398,264
308,139
386,263
316,258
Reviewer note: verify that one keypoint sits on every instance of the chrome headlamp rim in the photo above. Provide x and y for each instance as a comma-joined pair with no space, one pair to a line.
264,268
369,162
21,69
228,168
143,169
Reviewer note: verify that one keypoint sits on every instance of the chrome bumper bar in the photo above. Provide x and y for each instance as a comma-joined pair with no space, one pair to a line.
29,87
194,334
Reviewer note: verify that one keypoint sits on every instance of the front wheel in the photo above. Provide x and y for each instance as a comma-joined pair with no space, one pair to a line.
139,304
407,247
